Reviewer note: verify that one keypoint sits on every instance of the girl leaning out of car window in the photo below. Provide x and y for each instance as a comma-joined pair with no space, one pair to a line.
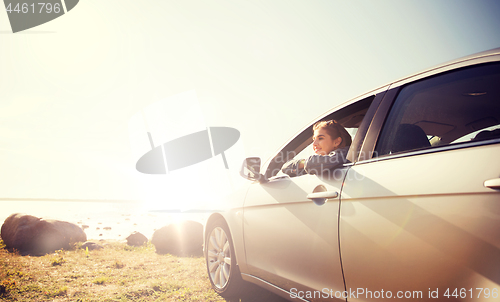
330,143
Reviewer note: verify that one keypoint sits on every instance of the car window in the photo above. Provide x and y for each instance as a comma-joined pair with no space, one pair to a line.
452,108
351,117
308,150
476,136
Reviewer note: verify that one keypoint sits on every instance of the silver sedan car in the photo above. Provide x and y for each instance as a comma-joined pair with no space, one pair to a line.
413,214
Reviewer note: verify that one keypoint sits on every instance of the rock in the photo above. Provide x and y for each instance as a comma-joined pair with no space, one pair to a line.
136,239
31,235
91,246
180,239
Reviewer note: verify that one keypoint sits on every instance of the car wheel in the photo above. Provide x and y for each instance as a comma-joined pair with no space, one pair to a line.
223,271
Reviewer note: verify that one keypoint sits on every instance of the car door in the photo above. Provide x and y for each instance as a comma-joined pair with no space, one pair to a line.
421,219
291,237
291,241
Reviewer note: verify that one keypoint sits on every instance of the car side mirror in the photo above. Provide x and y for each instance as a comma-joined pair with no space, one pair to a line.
251,169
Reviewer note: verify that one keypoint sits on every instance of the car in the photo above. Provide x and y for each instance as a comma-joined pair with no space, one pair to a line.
414,214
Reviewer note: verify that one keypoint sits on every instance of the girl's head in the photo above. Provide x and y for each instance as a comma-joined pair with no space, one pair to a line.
329,136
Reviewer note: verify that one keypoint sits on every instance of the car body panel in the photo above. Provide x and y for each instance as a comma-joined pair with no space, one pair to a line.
426,224
234,219
281,225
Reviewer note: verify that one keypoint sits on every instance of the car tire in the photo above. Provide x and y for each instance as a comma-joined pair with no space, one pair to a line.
223,271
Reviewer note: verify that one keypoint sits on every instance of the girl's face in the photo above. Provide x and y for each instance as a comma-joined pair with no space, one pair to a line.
323,143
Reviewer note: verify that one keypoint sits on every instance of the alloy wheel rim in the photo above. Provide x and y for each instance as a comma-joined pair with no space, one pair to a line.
219,257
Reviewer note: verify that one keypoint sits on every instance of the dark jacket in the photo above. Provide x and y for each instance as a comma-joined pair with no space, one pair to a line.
316,164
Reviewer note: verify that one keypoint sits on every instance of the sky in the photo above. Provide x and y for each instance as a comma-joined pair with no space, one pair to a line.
72,89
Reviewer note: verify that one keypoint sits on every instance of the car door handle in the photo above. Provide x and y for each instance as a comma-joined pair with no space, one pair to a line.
493,183
327,194
319,198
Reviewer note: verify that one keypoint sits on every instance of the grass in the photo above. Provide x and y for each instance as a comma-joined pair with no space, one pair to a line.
116,273
57,261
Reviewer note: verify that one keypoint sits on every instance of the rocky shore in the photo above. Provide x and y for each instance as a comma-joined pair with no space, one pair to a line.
30,235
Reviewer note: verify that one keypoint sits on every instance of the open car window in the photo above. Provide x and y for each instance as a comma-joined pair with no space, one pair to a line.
453,108
308,150
350,117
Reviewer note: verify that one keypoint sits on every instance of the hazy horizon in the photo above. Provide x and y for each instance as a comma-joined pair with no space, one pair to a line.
69,88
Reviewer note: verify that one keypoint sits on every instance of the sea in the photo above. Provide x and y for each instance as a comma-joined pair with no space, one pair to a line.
102,220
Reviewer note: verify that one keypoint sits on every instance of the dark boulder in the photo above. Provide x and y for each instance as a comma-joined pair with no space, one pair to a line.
136,239
31,235
180,239
91,246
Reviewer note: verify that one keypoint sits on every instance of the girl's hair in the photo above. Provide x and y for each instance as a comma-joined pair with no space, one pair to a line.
335,130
